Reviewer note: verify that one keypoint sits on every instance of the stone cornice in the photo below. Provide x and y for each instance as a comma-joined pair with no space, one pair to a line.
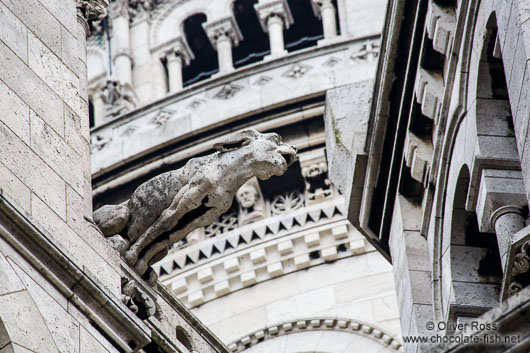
317,324
81,288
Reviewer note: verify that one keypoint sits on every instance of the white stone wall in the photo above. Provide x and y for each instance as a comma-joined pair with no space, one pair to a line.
359,287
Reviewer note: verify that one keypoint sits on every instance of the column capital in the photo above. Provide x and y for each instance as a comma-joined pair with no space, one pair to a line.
118,8
318,5
176,46
91,10
268,8
224,27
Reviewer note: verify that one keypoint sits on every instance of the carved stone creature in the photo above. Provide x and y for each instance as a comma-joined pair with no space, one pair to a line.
166,208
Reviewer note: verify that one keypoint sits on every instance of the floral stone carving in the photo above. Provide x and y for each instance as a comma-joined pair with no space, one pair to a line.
165,209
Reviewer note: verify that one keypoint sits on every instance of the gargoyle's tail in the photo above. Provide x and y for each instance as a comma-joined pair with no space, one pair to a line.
112,219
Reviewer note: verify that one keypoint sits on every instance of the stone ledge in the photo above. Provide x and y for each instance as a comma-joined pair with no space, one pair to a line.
81,288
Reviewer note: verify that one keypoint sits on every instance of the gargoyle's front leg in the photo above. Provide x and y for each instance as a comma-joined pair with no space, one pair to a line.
186,199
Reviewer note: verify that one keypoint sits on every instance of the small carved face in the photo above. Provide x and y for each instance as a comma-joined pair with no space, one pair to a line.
247,196
265,153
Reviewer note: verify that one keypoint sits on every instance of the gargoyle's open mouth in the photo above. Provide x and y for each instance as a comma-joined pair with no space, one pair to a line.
289,158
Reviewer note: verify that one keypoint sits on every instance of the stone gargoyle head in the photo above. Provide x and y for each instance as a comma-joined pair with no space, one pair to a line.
267,154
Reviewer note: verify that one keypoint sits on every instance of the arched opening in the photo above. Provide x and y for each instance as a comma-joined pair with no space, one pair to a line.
306,30
205,63
474,260
255,43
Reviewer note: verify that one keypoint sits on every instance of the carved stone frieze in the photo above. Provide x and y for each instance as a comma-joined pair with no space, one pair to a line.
288,202
162,117
99,142
225,223
315,172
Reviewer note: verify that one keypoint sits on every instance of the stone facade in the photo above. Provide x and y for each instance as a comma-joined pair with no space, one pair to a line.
282,270
63,288
437,177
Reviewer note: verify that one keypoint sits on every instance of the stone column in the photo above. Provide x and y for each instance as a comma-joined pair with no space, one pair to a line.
99,108
174,68
177,54
159,77
326,10
506,220
120,41
274,16
223,34
141,54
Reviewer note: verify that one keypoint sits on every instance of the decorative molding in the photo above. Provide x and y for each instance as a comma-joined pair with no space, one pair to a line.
317,324
263,80
275,246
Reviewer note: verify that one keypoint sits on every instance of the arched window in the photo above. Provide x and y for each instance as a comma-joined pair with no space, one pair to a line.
205,63
183,337
255,43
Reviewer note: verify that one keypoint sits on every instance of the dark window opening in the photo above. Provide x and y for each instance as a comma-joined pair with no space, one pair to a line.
205,63
306,30
255,43
91,118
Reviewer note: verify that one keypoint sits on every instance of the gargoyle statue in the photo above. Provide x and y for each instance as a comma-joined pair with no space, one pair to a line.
164,209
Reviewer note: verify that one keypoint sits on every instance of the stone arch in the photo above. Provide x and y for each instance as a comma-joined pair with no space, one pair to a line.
325,335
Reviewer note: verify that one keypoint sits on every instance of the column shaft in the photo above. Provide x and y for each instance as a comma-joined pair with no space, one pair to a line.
329,21
275,27
506,225
121,48
174,68
224,52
